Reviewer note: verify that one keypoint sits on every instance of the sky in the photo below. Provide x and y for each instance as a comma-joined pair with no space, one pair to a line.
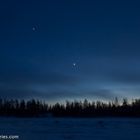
69,49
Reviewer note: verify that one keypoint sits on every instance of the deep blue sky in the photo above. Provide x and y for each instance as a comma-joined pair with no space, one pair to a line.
69,49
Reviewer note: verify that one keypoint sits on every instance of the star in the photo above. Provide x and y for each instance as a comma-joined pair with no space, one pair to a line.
34,28
74,64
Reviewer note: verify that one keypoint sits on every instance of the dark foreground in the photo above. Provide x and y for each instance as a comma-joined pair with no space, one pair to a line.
71,128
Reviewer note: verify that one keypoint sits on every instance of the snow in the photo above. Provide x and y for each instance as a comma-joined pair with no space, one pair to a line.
71,128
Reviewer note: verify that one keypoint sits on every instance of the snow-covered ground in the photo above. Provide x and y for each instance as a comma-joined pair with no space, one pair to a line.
71,129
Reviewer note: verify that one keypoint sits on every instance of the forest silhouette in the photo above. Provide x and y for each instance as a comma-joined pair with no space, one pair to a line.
37,108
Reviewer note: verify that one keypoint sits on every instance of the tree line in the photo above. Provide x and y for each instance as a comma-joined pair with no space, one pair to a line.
37,108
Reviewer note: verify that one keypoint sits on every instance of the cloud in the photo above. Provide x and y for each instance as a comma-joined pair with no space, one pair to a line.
99,93
54,93
15,92
36,85
68,94
41,79
126,77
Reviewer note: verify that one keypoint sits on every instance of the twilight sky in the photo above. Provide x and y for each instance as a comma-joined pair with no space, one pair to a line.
69,49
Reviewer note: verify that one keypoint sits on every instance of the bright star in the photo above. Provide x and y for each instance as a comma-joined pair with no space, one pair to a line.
34,29
74,64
